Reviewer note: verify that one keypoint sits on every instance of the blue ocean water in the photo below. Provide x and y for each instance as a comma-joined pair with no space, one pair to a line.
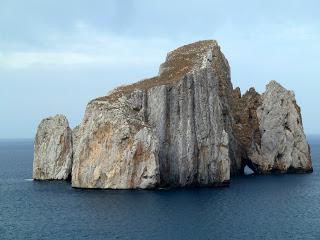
253,207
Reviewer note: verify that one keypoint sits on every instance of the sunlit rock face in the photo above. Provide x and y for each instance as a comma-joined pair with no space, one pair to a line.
53,149
283,146
185,127
115,149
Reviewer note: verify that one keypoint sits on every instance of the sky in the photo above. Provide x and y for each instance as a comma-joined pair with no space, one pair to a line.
56,55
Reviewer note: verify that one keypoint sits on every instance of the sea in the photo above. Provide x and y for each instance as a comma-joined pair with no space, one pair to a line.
253,207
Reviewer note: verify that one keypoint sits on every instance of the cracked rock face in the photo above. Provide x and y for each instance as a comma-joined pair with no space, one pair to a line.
53,149
283,146
185,127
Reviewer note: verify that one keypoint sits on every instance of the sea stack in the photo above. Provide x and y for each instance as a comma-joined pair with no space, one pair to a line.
53,149
185,127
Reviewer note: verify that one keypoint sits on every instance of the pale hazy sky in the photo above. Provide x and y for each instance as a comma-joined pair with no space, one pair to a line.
56,55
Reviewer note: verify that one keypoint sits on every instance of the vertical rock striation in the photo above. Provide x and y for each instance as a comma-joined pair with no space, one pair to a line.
53,149
184,111
191,118
185,127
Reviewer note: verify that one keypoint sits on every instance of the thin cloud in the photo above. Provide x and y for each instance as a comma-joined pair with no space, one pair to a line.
86,46
23,60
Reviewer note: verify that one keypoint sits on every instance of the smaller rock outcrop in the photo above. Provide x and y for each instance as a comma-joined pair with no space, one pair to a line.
283,146
53,149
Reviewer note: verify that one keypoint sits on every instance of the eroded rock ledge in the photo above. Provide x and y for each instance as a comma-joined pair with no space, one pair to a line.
185,127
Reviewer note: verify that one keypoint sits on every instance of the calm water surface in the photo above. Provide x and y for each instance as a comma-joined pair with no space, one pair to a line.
254,207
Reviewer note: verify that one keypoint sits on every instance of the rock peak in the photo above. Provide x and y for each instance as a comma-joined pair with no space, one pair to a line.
193,47
273,84
179,62
187,58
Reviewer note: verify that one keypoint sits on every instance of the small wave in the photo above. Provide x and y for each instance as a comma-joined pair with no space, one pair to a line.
28,179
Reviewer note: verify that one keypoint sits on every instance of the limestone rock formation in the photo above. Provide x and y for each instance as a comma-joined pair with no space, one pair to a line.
184,113
53,149
283,146
185,127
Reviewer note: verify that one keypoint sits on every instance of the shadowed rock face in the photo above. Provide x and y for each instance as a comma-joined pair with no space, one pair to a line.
246,124
53,149
187,127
